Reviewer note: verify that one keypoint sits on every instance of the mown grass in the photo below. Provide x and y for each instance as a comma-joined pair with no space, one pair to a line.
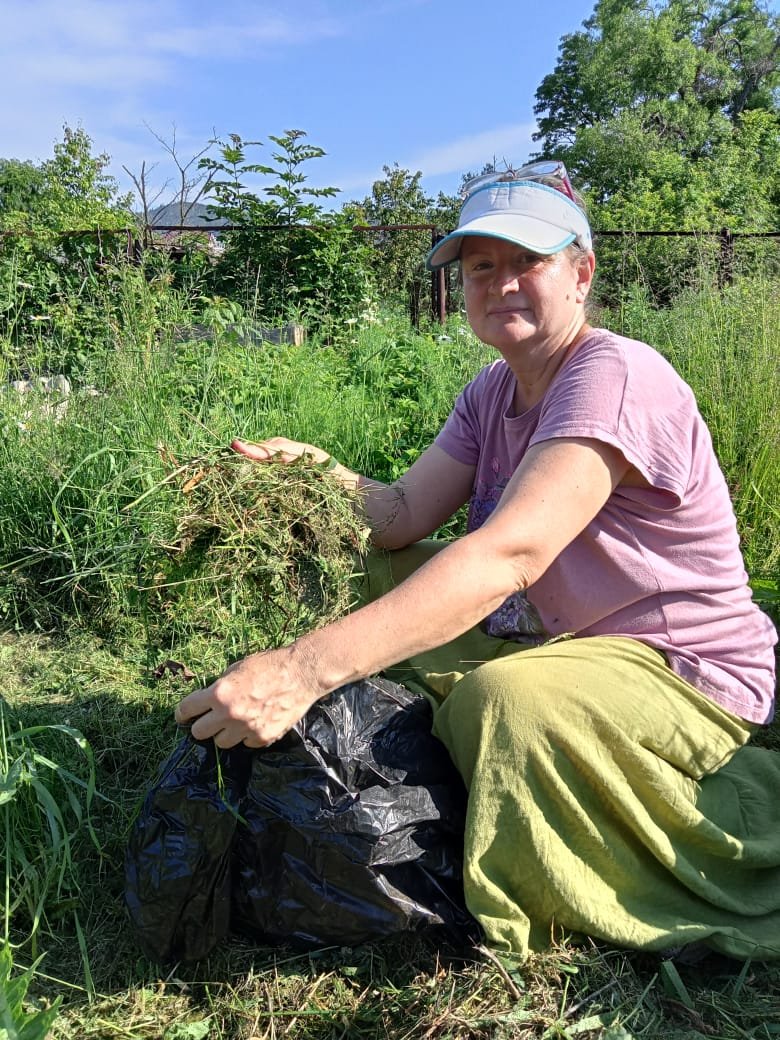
93,519
401,988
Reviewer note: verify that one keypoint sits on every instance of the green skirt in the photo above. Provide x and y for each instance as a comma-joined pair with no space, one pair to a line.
607,796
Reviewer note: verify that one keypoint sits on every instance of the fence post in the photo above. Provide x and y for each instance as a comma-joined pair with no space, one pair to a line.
438,286
726,258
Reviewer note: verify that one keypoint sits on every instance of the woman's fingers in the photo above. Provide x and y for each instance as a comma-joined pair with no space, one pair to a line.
278,449
257,452
257,700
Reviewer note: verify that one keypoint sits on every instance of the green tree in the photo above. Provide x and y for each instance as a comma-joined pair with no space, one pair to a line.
399,253
79,191
51,277
289,258
72,191
667,116
21,192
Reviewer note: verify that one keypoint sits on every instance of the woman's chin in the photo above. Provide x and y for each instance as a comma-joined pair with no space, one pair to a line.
511,333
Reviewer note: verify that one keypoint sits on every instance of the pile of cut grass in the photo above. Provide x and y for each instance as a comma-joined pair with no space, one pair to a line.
243,556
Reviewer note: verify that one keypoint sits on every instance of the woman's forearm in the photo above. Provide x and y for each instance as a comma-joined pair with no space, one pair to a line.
259,698
453,591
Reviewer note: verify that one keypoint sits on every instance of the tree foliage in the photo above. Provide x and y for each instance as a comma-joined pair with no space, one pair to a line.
399,253
679,100
50,272
667,115
21,190
72,191
289,258
80,192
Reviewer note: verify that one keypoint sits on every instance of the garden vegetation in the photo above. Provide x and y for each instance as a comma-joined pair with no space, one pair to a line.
139,557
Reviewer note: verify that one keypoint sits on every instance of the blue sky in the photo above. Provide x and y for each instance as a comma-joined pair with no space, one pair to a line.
435,86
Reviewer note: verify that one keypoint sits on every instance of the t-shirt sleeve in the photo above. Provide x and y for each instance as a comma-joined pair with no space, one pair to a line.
625,394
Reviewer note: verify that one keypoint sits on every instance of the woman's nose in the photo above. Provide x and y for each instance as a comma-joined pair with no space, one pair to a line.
505,280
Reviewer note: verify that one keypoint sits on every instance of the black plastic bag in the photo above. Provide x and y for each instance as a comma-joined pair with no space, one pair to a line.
178,883
348,829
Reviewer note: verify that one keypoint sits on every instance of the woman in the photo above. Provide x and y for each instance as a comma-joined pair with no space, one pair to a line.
591,642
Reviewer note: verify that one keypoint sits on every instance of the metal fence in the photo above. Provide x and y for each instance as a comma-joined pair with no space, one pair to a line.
443,288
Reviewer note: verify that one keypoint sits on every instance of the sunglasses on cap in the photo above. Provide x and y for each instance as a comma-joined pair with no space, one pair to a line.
543,168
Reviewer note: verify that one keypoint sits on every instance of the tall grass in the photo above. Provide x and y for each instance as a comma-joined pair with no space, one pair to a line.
68,545
43,805
725,345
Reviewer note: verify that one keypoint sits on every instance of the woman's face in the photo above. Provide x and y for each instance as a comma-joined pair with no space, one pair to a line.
515,298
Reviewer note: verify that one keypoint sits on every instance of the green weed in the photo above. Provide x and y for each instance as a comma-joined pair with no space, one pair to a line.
16,1021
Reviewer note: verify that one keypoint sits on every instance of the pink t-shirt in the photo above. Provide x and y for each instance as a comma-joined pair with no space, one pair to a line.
660,564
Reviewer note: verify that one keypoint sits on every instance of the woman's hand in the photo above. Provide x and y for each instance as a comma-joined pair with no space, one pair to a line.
257,700
280,449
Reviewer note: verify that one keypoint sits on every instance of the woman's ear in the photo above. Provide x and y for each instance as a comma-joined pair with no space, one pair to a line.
586,267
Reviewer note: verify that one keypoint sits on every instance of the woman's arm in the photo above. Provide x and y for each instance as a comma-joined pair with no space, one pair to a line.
411,508
558,489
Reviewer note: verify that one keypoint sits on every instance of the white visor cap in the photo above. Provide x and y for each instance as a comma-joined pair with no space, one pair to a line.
530,214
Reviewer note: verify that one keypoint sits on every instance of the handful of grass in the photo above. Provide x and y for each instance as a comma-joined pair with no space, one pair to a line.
245,555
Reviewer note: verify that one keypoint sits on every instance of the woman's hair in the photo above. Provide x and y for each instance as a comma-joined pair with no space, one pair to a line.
557,183
574,251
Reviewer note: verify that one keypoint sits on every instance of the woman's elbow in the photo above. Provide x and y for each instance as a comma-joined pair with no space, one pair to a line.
514,569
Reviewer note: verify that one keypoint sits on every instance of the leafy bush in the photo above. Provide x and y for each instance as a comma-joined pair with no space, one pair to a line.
288,260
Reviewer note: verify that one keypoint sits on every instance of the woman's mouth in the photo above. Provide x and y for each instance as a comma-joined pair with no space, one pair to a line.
515,309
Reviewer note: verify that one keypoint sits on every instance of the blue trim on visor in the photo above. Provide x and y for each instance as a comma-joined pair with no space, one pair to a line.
453,235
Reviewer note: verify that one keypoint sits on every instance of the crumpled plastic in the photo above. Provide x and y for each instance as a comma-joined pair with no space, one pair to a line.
348,829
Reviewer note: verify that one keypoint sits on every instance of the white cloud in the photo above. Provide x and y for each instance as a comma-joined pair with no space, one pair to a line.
115,43
110,64
240,37
510,143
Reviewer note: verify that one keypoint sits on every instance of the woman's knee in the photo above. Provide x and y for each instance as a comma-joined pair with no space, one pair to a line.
491,712
503,689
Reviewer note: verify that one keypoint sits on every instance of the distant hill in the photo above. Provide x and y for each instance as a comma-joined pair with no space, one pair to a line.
199,215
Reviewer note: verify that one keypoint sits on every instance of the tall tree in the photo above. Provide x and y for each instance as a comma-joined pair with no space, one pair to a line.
398,259
21,191
72,191
53,274
80,193
668,113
